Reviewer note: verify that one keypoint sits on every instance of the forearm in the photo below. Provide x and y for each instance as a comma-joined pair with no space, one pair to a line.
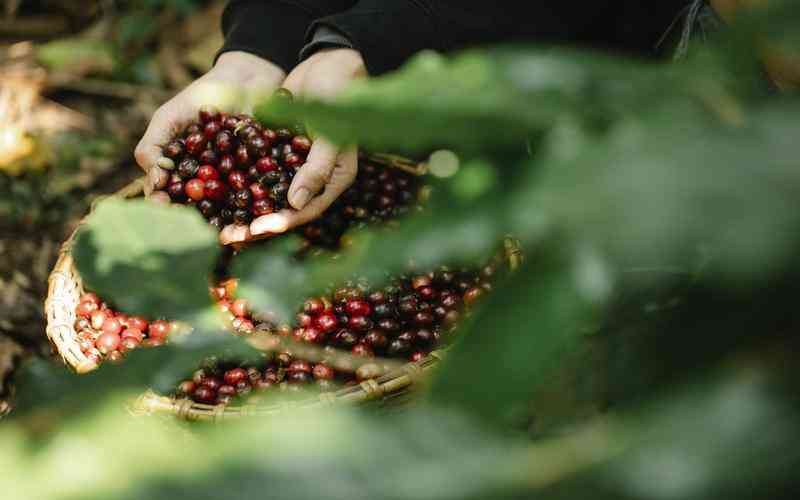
387,32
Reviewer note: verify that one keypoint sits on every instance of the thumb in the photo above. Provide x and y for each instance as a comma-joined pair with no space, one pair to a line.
314,174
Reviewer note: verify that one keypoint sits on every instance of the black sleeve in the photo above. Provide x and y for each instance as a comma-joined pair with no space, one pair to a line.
273,29
387,32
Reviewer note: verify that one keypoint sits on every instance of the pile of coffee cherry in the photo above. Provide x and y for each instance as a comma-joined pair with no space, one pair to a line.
233,169
404,320
103,333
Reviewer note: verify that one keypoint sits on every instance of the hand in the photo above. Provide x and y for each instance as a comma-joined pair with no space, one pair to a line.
328,172
235,83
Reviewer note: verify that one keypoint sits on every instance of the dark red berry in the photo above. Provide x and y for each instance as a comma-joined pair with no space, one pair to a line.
293,160
241,216
215,190
262,207
206,173
242,156
211,382
208,113
204,394
266,164
298,377
358,307
237,180
211,129
377,339
243,198
195,143
326,321
234,376
301,144
173,150
187,168
258,191
359,323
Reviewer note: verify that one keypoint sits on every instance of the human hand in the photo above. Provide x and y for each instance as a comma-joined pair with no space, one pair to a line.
327,172
236,82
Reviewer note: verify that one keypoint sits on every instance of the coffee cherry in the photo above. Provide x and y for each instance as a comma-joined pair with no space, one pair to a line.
107,342
208,208
187,387
237,180
159,329
212,383
376,339
240,307
356,307
326,321
359,323
86,308
398,347
97,318
208,113
187,168
313,335
262,207
173,150
243,198
214,190
472,295
242,156
345,338
301,144
234,376
128,343
195,189
204,394
195,143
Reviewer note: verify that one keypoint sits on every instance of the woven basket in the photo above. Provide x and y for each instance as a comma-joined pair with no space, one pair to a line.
390,389
65,287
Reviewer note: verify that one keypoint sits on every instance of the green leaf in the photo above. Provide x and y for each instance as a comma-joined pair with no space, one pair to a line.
521,328
147,259
493,100
78,54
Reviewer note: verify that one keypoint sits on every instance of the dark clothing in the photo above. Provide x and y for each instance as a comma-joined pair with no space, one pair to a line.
387,32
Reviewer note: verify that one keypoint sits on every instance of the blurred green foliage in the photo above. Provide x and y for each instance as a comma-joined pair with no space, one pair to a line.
655,206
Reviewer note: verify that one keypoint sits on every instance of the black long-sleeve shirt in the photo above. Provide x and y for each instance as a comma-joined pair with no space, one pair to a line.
387,32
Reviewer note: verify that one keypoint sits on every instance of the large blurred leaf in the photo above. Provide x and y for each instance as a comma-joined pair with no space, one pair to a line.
147,259
495,99
661,188
510,342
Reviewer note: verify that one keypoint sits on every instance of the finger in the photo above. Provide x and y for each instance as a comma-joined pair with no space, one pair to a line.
166,122
342,178
312,177
234,233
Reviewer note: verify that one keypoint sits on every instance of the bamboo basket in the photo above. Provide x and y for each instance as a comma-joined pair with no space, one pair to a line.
65,287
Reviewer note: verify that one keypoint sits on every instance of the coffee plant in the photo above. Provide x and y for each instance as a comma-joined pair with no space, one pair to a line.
643,349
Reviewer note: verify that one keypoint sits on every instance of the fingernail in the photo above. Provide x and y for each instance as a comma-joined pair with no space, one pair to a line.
269,224
300,198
